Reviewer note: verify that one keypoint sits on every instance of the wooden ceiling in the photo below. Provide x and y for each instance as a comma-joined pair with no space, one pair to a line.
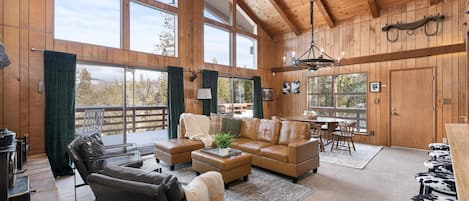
283,16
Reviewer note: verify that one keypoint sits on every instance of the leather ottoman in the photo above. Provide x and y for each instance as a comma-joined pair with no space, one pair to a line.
176,151
231,168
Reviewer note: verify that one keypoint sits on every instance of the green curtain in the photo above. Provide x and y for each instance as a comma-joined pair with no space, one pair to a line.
210,80
175,99
59,86
258,110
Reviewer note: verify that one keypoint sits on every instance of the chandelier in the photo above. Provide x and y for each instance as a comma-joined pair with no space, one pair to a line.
311,59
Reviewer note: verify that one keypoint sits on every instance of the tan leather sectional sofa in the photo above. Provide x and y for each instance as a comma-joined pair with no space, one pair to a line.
283,147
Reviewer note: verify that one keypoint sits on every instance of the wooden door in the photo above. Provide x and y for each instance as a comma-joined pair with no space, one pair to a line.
412,108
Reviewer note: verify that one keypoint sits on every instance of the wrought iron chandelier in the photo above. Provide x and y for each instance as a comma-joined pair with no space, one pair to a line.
308,59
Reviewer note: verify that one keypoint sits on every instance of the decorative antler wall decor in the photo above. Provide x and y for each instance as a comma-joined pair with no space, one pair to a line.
410,27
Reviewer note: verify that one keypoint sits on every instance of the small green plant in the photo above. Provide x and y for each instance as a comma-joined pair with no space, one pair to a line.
223,140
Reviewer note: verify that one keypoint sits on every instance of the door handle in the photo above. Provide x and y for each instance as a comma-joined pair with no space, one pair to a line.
394,113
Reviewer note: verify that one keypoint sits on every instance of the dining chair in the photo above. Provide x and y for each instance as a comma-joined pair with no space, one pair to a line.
316,132
344,135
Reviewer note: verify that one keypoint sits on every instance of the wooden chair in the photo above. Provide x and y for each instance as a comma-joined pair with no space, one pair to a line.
316,132
345,135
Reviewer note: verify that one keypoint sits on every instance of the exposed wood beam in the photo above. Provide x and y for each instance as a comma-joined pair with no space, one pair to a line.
288,18
373,8
325,13
253,16
408,54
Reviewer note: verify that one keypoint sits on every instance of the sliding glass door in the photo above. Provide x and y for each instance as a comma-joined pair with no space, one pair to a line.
235,96
146,98
141,93
101,87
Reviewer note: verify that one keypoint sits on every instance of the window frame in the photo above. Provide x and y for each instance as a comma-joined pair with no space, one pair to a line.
333,110
125,24
231,81
233,29
156,5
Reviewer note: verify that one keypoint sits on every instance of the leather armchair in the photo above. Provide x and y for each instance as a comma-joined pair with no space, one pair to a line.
89,164
128,184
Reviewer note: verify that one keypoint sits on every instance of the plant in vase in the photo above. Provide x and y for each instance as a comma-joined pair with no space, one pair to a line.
223,141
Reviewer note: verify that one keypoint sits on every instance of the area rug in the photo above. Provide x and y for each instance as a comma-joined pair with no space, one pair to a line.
358,160
262,185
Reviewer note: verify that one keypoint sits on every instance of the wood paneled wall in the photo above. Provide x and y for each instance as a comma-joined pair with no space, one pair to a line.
26,24
362,36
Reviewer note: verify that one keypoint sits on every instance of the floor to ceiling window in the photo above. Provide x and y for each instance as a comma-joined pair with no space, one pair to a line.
343,96
235,96
141,93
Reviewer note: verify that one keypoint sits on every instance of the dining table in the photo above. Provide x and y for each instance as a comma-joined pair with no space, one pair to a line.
329,124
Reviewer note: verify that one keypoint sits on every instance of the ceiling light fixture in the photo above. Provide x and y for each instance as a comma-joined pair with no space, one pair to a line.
308,59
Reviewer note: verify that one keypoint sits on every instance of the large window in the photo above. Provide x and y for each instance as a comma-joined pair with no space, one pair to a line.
217,45
342,96
220,33
142,94
235,96
94,22
152,30
246,51
152,25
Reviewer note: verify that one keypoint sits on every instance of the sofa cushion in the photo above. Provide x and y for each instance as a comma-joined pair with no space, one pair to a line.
175,146
237,141
277,152
231,125
293,131
249,128
269,131
253,146
216,122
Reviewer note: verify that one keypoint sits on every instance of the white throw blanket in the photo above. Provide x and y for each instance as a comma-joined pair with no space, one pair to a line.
206,187
197,127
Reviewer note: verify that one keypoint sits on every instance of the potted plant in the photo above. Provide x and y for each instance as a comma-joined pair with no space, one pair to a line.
223,141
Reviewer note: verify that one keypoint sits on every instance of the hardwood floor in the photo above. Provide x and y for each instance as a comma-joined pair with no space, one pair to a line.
388,177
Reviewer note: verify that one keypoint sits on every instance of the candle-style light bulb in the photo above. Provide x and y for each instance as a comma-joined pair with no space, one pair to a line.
293,54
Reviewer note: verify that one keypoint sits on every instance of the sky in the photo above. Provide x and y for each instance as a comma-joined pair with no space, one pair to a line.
110,73
98,22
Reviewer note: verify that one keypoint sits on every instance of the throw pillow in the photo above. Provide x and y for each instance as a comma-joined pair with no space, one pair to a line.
215,123
232,126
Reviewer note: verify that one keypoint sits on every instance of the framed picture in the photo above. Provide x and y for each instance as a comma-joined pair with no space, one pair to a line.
375,87
286,87
295,87
266,94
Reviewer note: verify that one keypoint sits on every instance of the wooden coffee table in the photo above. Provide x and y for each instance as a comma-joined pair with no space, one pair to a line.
231,168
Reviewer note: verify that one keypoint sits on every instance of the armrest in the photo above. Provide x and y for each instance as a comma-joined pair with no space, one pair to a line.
112,155
120,145
302,150
109,188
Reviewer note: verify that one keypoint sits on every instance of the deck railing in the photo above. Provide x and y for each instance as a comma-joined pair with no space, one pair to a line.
358,115
139,118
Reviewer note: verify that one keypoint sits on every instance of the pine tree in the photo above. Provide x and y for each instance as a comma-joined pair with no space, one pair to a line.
167,43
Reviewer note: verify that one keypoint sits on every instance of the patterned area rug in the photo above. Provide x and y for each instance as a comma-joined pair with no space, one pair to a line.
358,160
262,185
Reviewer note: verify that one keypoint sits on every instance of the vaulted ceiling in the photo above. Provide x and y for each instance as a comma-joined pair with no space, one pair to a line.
282,16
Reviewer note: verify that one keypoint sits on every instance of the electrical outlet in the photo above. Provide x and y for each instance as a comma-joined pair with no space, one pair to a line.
371,133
